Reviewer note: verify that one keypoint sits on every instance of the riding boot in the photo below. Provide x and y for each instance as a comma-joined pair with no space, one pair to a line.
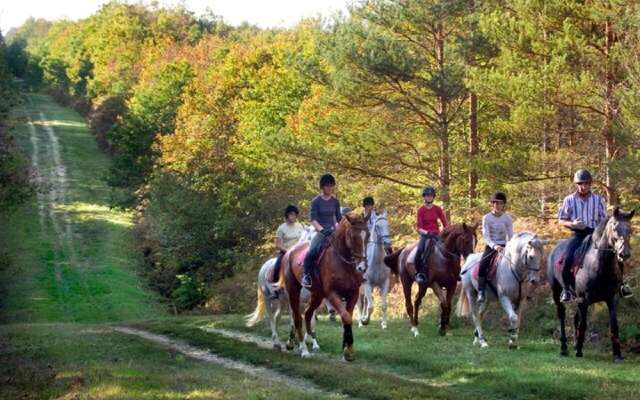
482,284
306,276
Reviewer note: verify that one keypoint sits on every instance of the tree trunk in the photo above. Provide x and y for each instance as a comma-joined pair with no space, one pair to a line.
443,134
473,148
609,114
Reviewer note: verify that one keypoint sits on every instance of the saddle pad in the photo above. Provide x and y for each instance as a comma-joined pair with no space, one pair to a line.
303,254
577,262
493,269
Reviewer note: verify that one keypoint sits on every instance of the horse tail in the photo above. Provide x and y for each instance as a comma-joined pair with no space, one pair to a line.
283,266
392,261
258,313
463,308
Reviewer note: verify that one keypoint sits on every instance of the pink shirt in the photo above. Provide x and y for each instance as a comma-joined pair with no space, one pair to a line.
428,219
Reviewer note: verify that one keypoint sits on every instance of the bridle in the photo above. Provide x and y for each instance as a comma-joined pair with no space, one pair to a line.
355,258
379,237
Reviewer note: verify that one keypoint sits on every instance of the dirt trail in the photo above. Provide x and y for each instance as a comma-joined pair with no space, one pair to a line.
207,356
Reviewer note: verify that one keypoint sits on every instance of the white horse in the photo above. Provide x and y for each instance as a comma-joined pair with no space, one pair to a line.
378,274
521,259
273,307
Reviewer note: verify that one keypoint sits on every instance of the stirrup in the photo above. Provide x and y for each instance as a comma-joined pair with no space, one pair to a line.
566,296
625,291
306,281
420,277
481,297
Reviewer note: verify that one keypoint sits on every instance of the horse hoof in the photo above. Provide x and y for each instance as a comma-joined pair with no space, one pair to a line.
315,349
442,332
513,346
476,341
484,345
365,322
277,346
383,325
579,354
564,352
348,354
290,346
305,354
415,331
618,359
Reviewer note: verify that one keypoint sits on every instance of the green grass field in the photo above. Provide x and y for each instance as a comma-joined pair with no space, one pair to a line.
67,279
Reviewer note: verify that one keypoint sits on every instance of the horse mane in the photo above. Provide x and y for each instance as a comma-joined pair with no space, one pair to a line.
599,232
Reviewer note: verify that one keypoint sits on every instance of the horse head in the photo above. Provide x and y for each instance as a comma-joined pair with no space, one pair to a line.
356,235
466,239
618,233
380,231
531,254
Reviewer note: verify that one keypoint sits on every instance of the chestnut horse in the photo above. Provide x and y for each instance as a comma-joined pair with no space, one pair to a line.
336,277
443,265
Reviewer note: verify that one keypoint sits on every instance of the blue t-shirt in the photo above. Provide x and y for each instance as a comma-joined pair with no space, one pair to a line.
326,212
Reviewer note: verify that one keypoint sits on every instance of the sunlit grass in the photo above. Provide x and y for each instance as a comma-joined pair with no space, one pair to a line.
87,212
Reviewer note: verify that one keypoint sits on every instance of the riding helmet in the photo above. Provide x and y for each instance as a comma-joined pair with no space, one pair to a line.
368,201
291,209
327,180
429,191
499,196
582,175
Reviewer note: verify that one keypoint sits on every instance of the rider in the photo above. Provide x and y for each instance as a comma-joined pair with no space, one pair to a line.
324,215
581,211
427,225
287,235
497,229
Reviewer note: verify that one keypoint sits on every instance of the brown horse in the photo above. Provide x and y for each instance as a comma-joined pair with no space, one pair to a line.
444,269
338,276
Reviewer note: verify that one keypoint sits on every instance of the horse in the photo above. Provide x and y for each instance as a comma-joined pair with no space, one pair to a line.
337,276
521,259
456,241
598,278
273,307
378,274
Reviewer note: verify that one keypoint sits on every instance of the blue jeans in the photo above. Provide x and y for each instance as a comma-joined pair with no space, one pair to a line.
569,258
314,248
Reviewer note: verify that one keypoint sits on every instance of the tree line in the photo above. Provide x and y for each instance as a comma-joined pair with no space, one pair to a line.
214,129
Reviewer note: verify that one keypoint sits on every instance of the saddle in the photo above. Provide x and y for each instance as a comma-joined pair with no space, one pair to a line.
579,255
326,243
493,268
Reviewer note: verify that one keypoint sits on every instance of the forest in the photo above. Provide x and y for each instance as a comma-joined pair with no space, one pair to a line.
213,129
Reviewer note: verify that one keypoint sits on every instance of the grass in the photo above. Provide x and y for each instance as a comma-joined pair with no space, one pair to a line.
449,366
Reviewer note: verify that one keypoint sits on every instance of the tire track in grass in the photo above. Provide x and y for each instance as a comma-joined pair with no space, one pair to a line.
265,343
207,356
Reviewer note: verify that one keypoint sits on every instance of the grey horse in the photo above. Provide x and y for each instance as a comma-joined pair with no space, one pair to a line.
521,260
378,274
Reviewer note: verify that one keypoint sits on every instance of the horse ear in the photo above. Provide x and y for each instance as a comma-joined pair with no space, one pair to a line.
616,211
464,226
632,213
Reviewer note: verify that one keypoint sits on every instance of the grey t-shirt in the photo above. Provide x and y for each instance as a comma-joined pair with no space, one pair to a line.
326,212
497,230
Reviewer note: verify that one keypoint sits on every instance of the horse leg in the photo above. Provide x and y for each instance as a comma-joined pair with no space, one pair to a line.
347,332
422,290
612,305
561,311
445,305
384,291
314,303
274,315
508,308
368,303
406,289
294,306
360,306
476,316
582,328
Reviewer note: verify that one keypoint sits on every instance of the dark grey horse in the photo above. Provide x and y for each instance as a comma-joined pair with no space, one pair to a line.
598,279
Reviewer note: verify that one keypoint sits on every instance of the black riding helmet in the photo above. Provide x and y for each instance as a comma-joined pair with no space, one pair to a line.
368,201
499,196
327,180
582,175
429,191
291,209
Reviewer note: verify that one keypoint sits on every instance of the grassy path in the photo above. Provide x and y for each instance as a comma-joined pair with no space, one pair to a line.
67,270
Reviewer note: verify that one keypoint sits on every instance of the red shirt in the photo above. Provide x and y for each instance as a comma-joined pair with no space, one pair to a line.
428,219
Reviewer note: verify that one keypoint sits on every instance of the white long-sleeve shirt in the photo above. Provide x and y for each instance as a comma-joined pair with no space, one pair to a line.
497,230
